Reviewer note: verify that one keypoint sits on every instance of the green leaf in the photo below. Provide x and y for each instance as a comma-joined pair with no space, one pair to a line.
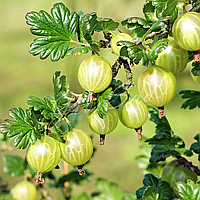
103,102
150,12
157,48
78,50
166,7
56,31
162,125
193,99
165,146
134,53
89,23
47,106
14,165
74,118
106,24
20,127
60,93
157,187
188,191
117,88
84,103
196,146
149,194
102,108
196,68
107,190
82,196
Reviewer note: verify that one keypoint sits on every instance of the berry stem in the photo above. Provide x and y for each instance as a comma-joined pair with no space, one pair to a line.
40,178
161,112
102,139
139,132
80,169
90,97
196,56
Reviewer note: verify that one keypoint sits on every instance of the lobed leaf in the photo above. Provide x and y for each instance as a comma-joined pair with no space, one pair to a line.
107,191
106,24
157,48
162,125
193,98
196,68
21,127
56,31
154,187
14,165
150,12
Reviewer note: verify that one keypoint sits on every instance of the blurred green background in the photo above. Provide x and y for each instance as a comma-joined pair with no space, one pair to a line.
22,74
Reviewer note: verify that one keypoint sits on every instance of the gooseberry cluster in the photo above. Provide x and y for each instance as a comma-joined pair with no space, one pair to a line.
156,86
45,154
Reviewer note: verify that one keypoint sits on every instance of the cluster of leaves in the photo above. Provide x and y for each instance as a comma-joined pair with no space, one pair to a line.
165,142
28,125
154,188
56,32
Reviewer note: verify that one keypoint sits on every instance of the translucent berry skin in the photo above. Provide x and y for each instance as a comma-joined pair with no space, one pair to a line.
119,37
186,31
95,74
133,114
105,125
77,149
157,86
24,190
173,58
173,172
44,155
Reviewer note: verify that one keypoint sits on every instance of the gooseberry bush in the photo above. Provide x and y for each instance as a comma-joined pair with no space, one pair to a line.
164,41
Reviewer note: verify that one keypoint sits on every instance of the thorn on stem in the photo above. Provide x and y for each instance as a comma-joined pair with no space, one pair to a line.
139,132
102,139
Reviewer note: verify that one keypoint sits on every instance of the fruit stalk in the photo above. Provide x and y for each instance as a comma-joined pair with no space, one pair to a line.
161,112
139,132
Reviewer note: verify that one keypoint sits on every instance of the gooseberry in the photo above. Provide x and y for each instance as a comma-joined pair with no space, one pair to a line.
24,190
95,74
119,37
157,86
103,125
133,114
77,149
44,155
186,31
174,172
173,57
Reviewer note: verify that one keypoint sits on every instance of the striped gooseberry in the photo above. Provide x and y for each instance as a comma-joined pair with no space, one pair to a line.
133,114
44,155
119,37
24,190
157,86
77,149
173,57
186,31
95,74
103,125
174,172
